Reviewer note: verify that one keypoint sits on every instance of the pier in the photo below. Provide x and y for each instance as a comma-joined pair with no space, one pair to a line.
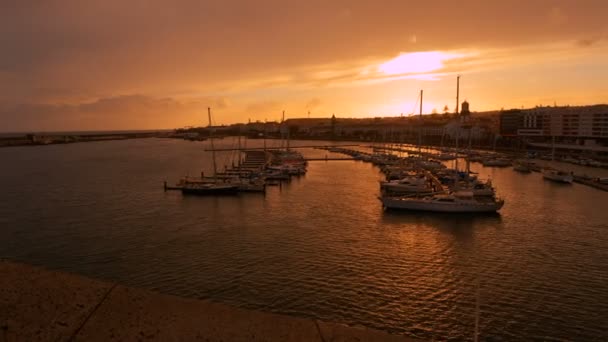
328,159
44,305
274,148
590,182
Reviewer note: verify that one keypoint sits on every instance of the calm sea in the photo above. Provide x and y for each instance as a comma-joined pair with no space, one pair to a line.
320,246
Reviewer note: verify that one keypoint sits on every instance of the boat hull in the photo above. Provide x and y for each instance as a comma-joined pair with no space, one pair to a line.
558,176
497,164
404,188
522,169
560,179
433,206
210,191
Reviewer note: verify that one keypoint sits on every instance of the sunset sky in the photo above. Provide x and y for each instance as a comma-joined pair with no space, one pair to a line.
101,65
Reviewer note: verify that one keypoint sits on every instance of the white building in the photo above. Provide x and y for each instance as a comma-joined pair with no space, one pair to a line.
588,122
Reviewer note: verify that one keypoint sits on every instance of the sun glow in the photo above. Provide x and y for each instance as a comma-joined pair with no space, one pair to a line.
416,62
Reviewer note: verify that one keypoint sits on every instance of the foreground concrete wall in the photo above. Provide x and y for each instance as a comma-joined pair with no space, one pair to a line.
43,305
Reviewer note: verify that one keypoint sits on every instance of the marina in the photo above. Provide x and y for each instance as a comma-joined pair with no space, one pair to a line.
325,232
331,171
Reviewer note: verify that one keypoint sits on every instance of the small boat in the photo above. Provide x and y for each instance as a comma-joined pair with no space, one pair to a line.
410,184
217,185
209,189
480,188
571,160
522,166
445,156
476,158
458,202
430,164
497,162
558,176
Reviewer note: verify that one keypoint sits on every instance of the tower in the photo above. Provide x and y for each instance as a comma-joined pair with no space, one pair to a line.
465,108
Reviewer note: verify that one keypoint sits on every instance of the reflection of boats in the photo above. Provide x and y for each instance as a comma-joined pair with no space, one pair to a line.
458,202
558,176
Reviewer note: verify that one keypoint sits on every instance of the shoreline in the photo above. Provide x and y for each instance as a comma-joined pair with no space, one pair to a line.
56,139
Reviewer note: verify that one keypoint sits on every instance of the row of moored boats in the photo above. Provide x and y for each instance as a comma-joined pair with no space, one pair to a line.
422,184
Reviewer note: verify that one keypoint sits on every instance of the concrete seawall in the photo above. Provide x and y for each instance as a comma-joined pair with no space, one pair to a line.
43,305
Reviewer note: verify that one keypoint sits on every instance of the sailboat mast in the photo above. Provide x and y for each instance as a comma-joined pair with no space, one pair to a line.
459,123
239,149
456,160
212,147
288,132
420,128
457,93
469,154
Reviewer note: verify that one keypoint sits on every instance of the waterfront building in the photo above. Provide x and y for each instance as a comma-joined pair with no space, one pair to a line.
581,127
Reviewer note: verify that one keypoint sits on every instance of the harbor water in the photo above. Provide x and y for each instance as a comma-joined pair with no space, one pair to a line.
320,246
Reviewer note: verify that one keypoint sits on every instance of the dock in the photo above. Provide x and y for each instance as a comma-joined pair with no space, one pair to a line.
44,305
590,182
328,159
275,148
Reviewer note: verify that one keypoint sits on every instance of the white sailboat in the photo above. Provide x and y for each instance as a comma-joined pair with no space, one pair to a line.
210,188
407,185
497,162
458,202
558,176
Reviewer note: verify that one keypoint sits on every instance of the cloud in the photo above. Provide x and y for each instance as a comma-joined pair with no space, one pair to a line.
68,62
595,40
74,51
557,16
270,110
119,112
313,103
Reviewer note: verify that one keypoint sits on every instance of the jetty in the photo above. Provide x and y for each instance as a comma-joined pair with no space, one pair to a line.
290,147
594,183
328,159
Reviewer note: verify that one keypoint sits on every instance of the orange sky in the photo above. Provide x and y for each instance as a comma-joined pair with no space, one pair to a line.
96,65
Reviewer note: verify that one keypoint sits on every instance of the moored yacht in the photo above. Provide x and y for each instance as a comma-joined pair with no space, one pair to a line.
522,166
480,188
409,184
497,162
458,202
445,156
558,176
200,188
430,164
217,186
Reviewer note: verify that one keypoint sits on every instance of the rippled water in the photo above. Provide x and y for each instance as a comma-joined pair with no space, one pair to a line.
320,246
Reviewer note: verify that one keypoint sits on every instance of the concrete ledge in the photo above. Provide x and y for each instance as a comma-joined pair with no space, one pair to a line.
43,305
39,305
